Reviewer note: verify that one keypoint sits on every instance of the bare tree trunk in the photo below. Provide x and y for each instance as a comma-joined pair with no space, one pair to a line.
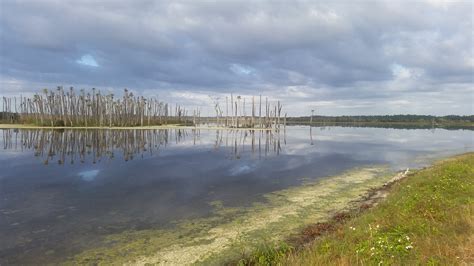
260,112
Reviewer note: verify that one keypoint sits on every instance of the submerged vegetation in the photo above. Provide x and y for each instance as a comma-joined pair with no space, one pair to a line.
232,233
426,219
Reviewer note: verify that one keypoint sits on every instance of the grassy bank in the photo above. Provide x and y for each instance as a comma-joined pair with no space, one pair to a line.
427,218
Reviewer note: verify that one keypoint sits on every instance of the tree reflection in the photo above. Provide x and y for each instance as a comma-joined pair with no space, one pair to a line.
94,146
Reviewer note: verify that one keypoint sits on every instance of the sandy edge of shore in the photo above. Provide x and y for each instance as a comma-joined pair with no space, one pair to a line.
171,126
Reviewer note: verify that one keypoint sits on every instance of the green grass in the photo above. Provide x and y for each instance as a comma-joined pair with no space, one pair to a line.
427,219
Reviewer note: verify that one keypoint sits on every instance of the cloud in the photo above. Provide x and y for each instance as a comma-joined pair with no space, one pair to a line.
400,72
368,55
87,60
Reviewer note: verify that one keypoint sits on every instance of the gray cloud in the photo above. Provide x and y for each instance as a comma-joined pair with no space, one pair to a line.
361,58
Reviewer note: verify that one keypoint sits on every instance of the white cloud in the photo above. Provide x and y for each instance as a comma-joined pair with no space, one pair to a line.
87,60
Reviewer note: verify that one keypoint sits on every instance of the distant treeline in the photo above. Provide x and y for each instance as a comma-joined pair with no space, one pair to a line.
387,119
388,125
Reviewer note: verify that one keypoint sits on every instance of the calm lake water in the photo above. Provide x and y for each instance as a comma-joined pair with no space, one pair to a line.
63,191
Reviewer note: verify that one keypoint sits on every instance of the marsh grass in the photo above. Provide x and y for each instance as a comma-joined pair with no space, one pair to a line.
267,254
428,219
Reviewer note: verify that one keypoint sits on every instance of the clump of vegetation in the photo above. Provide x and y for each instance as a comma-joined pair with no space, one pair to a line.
383,245
427,218
267,254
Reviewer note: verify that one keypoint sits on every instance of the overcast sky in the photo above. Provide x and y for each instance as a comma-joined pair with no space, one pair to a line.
341,57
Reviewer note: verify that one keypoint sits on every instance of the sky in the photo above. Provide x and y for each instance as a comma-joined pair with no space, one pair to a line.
337,57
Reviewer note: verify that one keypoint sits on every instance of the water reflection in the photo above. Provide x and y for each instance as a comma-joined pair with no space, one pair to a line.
261,143
93,146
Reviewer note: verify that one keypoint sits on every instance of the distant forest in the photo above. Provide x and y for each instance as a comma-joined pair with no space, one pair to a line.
386,118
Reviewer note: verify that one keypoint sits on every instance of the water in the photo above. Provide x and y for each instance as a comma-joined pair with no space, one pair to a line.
63,191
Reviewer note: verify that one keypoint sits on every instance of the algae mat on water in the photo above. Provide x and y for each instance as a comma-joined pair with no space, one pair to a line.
231,231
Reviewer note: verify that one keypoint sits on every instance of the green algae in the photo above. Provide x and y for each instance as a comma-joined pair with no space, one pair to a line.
231,232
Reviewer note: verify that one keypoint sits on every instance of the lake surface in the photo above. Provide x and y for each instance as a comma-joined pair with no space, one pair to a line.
62,191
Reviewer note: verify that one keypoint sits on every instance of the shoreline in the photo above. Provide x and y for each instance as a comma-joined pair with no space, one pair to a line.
223,236
388,225
290,124
171,126
371,199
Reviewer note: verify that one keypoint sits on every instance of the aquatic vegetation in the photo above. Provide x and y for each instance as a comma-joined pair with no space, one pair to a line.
231,232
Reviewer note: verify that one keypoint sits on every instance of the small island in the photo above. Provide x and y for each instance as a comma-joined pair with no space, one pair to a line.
93,110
